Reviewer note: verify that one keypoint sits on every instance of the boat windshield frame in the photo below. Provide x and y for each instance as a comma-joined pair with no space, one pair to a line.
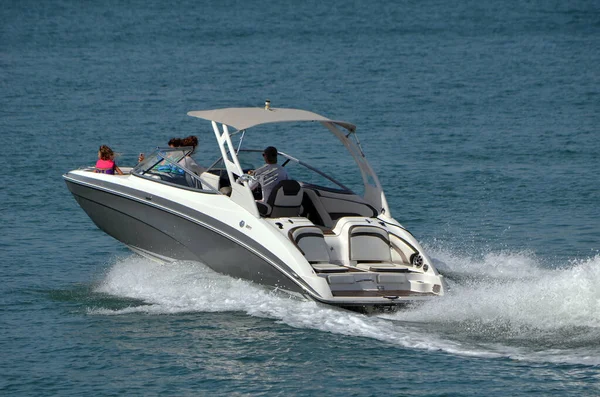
172,165
342,188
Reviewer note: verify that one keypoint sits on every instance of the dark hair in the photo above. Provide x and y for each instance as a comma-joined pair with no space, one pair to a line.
106,153
271,154
175,142
190,141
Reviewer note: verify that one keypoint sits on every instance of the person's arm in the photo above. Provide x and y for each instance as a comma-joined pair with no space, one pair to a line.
253,184
257,174
118,170
192,165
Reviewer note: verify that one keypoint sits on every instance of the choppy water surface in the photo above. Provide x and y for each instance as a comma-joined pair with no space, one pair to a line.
481,120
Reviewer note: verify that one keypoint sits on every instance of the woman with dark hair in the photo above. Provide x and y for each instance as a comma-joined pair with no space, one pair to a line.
188,162
106,162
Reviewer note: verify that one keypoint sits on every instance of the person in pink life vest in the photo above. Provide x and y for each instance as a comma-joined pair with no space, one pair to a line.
106,163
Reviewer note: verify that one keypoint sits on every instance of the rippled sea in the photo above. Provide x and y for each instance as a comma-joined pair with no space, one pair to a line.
481,119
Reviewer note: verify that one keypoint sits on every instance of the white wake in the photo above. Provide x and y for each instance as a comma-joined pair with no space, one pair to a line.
503,305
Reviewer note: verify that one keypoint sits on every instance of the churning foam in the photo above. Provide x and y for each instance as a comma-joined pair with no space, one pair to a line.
510,303
512,307
184,287
517,289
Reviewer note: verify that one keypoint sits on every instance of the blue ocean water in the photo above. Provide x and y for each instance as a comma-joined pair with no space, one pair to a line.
481,119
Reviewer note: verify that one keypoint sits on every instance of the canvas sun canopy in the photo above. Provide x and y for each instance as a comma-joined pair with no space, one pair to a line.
243,118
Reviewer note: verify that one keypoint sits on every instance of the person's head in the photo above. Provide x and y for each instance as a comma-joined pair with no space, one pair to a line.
270,155
105,153
190,141
175,142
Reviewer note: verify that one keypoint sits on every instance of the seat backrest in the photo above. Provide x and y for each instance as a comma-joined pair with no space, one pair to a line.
315,210
285,199
369,244
311,242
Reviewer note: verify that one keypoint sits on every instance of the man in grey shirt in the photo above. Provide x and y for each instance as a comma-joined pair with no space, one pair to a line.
269,174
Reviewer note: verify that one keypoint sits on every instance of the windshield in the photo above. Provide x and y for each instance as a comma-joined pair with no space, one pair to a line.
159,160
251,159
168,165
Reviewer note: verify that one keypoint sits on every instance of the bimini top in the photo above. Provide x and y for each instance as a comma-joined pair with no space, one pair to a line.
242,118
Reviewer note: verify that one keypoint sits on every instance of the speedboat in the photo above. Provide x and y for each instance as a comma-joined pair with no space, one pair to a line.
312,237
